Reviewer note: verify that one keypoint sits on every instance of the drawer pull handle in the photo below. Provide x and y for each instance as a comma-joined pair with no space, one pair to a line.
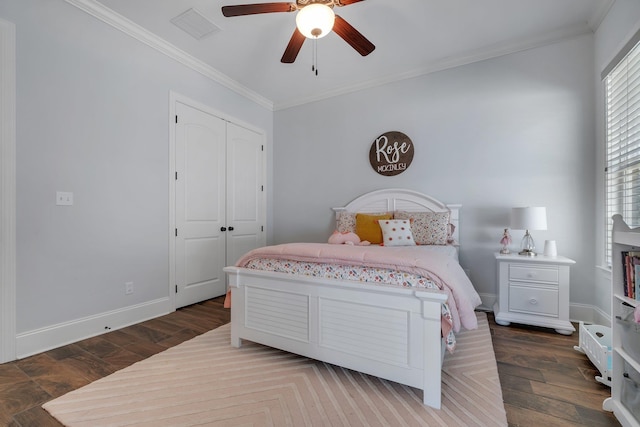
533,301
531,275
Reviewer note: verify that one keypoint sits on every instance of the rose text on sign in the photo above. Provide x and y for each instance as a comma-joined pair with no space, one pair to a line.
391,153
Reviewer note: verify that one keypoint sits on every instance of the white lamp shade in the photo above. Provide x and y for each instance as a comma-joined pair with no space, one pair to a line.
529,218
315,20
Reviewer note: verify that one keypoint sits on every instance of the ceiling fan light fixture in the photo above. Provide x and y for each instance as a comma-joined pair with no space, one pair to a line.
315,20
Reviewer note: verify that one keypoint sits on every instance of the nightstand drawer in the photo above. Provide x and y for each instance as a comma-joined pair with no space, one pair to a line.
530,299
534,274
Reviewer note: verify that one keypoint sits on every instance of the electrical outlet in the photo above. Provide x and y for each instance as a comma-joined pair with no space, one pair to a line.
64,198
128,288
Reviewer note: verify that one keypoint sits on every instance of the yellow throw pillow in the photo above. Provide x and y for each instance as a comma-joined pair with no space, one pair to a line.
368,228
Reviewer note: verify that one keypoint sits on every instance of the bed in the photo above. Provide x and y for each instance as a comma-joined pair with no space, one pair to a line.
393,332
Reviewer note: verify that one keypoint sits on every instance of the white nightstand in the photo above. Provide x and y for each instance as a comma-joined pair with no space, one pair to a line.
533,291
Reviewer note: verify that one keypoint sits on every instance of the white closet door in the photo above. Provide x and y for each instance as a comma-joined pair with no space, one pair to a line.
245,192
200,205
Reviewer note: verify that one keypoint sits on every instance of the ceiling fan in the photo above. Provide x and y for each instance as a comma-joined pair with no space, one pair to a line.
309,23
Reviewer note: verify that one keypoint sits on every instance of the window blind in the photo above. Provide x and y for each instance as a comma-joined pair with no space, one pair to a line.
622,93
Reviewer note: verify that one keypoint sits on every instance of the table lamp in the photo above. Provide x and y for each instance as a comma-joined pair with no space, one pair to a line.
529,218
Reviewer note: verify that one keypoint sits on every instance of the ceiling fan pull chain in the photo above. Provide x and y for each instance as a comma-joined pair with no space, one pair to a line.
314,56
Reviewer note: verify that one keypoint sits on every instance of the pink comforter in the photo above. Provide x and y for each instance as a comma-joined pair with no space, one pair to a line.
443,270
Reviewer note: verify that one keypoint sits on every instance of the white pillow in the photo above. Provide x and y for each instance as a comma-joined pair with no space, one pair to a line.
396,232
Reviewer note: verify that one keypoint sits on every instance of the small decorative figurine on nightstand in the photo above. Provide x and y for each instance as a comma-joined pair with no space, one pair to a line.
505,242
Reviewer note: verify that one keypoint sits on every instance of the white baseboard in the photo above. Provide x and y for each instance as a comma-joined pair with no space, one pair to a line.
589,314
44,339
39,340
488,300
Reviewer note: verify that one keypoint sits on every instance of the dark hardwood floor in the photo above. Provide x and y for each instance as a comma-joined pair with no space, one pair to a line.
544,381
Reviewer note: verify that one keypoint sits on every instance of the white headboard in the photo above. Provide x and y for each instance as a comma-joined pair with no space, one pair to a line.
398,199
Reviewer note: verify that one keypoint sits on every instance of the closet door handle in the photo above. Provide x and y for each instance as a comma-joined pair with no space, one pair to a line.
223,228
230,228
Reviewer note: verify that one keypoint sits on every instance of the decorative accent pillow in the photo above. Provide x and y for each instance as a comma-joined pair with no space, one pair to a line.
396,232
367,227
429,228
346,222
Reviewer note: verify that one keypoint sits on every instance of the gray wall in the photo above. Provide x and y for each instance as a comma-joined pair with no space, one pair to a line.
93,119
512,131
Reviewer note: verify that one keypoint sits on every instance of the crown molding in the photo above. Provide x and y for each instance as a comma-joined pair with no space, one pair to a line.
490,52
119,22
600,13
98,10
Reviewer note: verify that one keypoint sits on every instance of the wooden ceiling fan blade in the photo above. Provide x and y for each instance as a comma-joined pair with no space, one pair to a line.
254,9
294,46
347,2
352,36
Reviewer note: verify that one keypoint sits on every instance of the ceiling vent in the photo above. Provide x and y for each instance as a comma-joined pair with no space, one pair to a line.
195,24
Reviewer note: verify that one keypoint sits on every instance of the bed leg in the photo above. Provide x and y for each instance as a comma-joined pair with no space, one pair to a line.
431,401
236,341
432,390
432,355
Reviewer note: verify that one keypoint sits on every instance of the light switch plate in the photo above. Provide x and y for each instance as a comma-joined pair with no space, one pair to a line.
64,198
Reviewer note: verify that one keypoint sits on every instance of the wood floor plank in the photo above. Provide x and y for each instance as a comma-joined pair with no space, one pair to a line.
54,378
64,352
586,398
144,333
144,348
18,397
518,383
92,367
179,337
518,371
595,417
122,358
97,346
163,326
36,416
524,417
10,373
553,407
545,381
120,337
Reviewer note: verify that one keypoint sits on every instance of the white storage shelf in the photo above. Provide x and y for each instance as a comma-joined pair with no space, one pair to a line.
625,355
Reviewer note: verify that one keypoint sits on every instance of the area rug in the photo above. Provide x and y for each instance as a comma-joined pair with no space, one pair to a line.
207,382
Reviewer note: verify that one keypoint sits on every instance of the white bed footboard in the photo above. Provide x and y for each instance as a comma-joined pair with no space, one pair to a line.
392,333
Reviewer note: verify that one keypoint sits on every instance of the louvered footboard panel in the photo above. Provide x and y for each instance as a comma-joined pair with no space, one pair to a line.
372,332
279,313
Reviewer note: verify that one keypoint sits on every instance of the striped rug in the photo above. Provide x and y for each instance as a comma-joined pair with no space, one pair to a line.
206,382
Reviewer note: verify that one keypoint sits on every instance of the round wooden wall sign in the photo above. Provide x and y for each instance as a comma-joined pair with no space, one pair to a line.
391,153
